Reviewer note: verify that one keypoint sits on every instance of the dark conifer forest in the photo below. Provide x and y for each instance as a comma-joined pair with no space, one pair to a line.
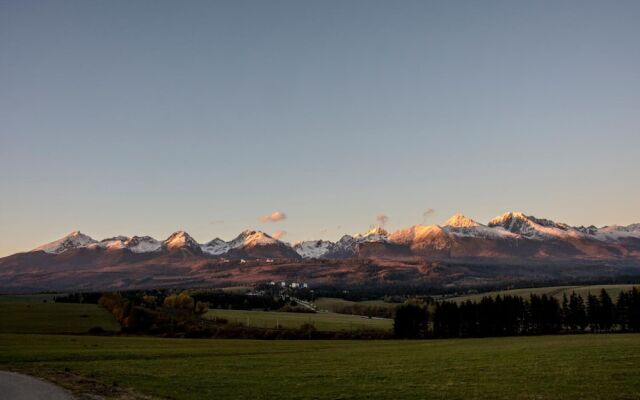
513,315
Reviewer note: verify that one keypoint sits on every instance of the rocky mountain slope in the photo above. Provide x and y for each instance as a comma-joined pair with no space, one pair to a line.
512,235
512,240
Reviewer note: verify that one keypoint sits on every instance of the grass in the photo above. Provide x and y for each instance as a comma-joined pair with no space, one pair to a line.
556,291
28,298
545,367
327,322
31,315
335,304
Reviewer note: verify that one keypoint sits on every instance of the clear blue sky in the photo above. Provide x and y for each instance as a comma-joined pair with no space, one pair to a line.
145,117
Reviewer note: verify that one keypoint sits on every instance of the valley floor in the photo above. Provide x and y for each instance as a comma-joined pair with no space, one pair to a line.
544,367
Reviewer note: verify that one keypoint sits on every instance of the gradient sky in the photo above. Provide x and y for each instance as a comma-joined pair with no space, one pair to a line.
145,117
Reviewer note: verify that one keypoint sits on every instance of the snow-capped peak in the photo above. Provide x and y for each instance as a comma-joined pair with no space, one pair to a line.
615,233
215,247
74,240
378,230
143,244
619,228
415,233
460,221
180,239
377,234
313,248
251,238
532,227
508,217
136,244
118,242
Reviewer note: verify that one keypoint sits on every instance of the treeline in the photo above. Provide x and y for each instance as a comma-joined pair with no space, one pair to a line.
177,314
82,298
135,296
180,315
237,301
513,315
408,290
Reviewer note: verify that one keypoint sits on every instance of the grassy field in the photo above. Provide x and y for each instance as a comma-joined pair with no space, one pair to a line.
556,291
334,304
27,298
29,314
544,367
327,322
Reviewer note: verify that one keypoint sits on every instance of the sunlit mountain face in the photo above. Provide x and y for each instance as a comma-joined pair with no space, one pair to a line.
461,251
511,235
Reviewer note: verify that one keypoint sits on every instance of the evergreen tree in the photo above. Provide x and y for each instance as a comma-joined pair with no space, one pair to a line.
606,311
593,312
566,313
634,310
622,311
577,312
410,321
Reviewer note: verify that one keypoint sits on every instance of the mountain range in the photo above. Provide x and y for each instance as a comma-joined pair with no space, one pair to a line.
512,235
513,239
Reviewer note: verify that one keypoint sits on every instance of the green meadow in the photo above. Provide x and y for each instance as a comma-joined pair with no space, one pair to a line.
589,366
31,314
334,304
326,322
543,367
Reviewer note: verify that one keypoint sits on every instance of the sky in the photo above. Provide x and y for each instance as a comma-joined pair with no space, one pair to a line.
147,117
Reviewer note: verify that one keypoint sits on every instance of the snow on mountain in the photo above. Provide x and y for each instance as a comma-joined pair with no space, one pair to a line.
418,238
113,243
462,226
615,233
432,235
257,244
143,244
180,239
633,229
347,243
136,244
587,230
416,233
314,248
460,221
376,234
534,228
73,240
251,238
215,247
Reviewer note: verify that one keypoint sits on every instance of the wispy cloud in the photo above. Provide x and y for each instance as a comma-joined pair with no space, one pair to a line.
278,234
273,217
428,213
382,219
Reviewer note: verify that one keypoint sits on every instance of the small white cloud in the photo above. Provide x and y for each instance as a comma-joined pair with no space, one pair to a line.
273,217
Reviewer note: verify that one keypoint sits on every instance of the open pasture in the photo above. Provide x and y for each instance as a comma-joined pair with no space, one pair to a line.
30,314
326,322
542,367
